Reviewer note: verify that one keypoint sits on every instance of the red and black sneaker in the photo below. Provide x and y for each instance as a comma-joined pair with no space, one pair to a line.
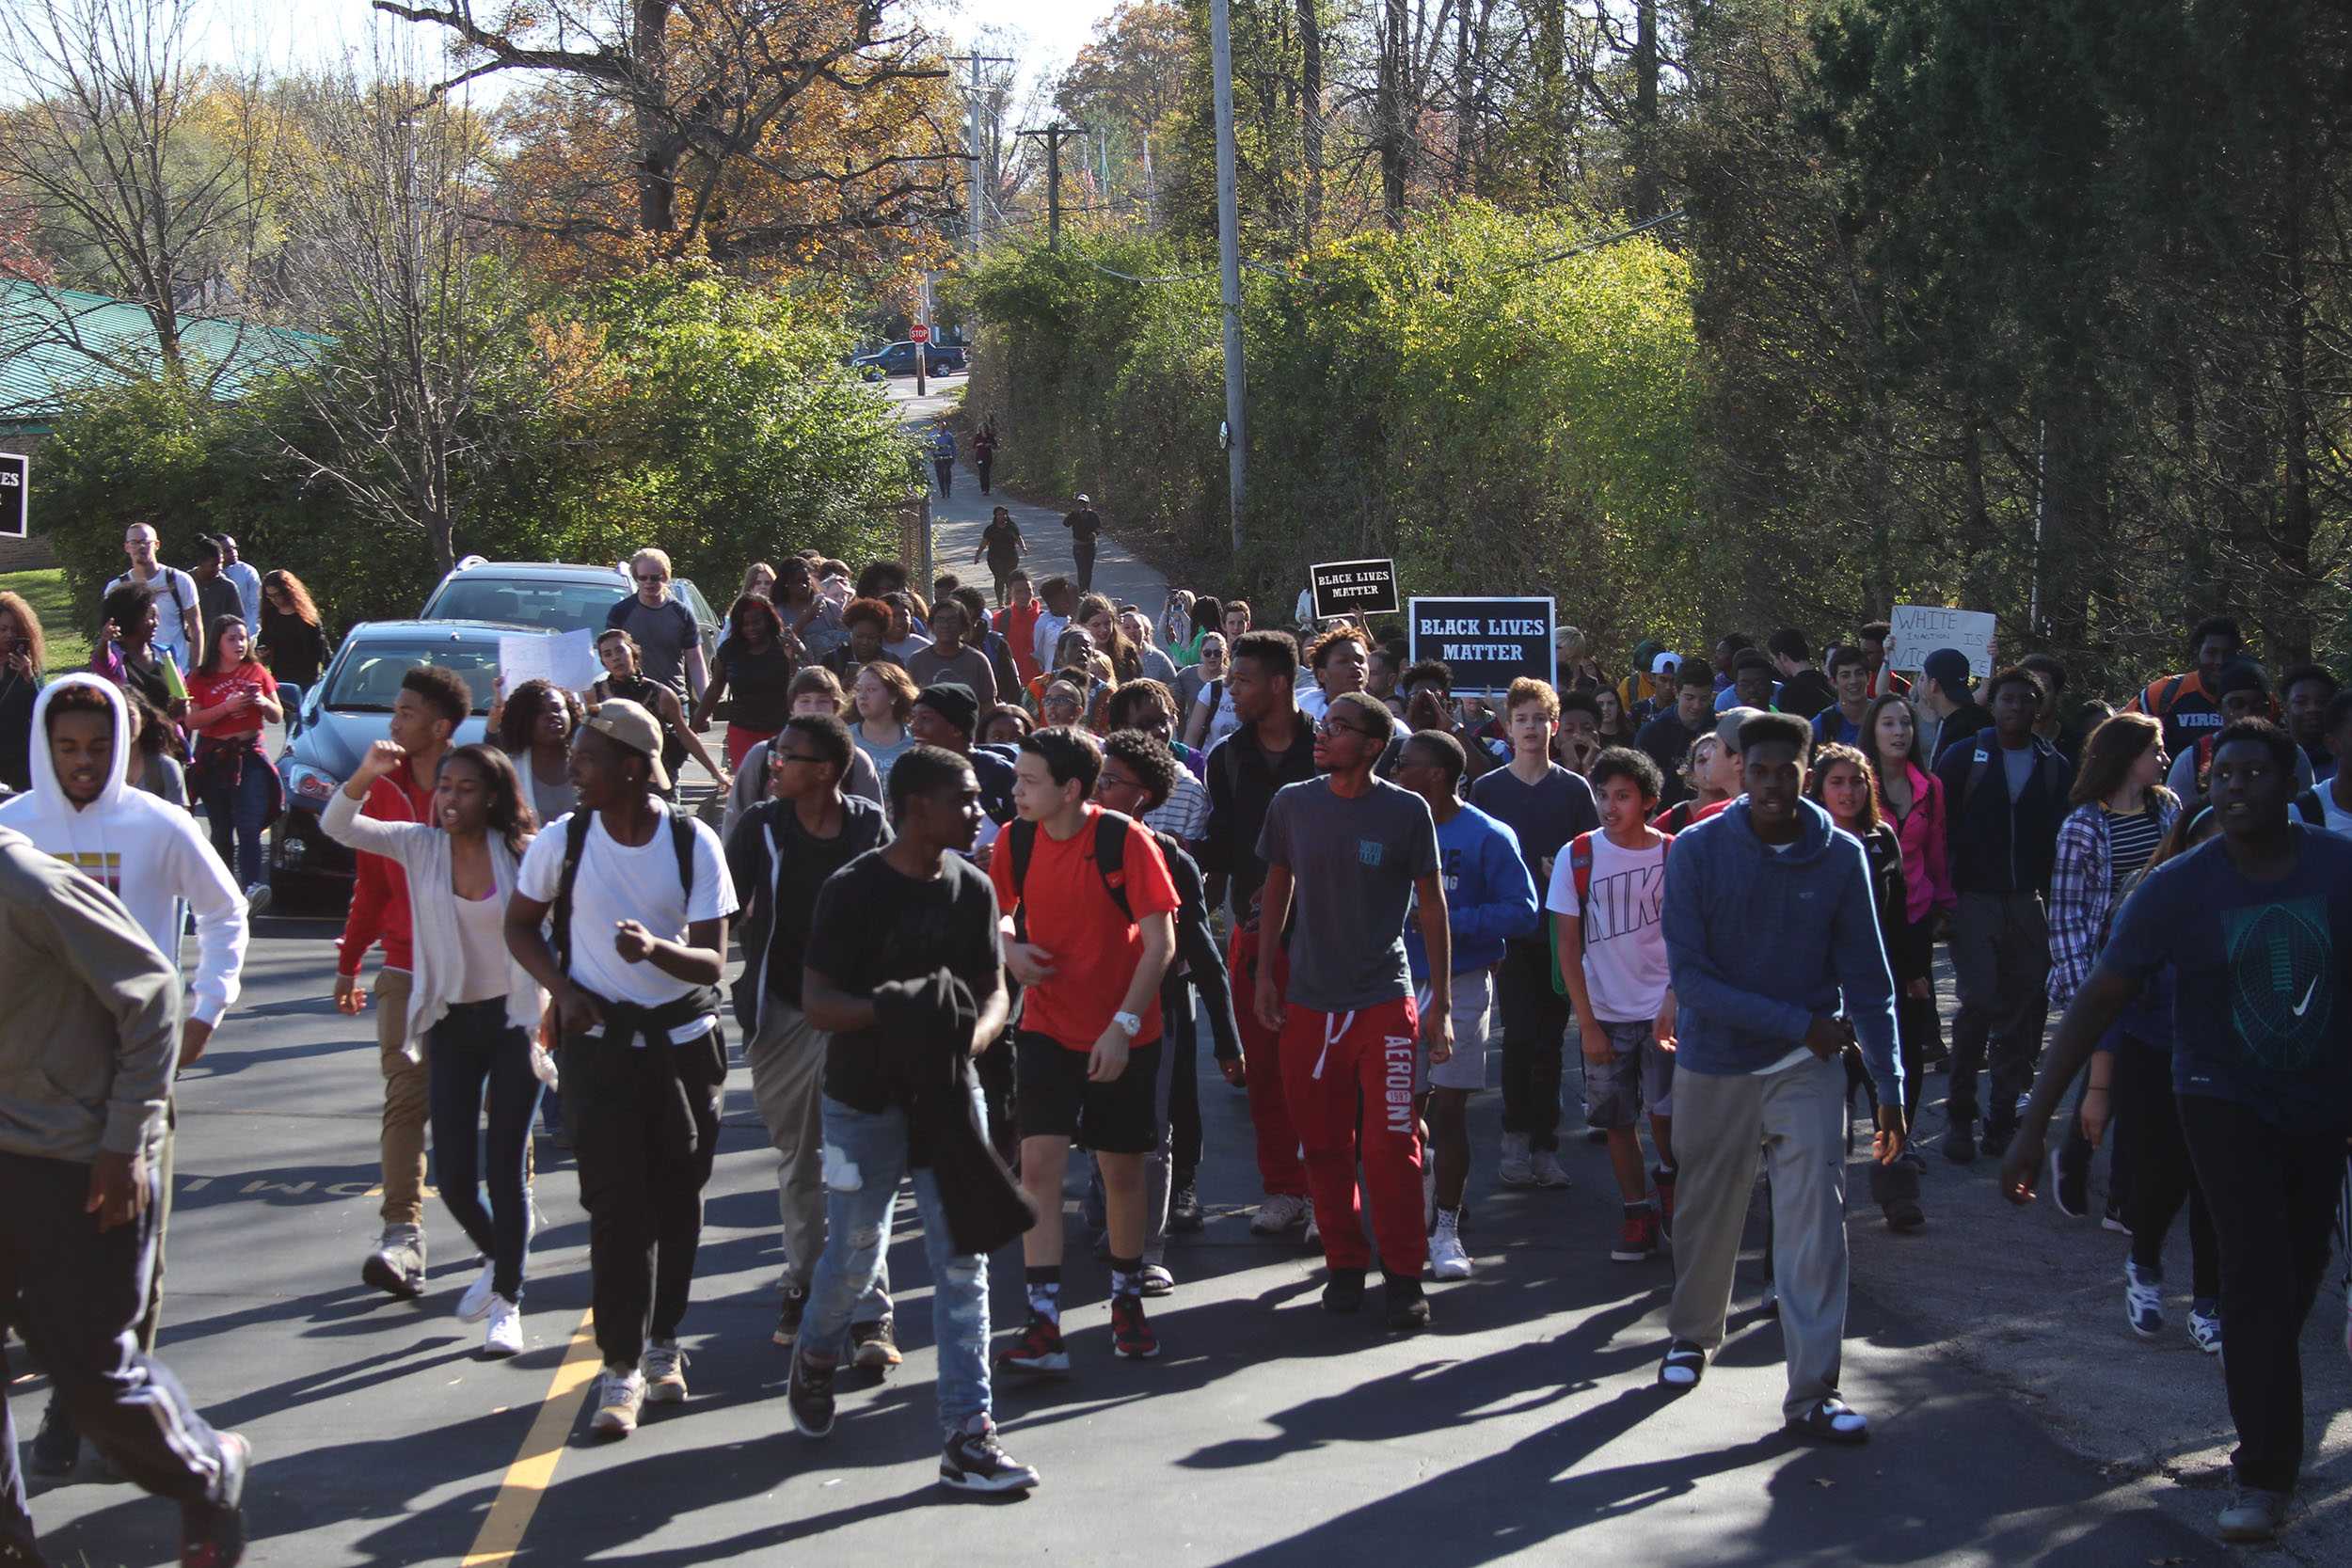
1638,1238
1038,1350
1131,1336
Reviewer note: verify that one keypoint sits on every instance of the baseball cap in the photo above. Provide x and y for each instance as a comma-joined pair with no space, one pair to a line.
618,719
1729,722
1089,499
954,701
1664,662
1946,667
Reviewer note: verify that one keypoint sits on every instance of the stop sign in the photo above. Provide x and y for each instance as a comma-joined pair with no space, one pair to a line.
919,333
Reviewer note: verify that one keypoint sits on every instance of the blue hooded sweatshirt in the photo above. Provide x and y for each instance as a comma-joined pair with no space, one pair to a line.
1760,941
1489,898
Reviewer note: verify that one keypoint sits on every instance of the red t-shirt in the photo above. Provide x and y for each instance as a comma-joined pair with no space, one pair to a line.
1094,949
212,690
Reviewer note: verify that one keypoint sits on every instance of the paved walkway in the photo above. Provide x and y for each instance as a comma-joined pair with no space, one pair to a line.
957,520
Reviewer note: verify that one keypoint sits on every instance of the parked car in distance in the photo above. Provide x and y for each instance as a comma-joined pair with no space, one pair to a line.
347,710
899,359
550,597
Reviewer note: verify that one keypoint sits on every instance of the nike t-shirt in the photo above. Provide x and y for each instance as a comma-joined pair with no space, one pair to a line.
1625,946
2259,1008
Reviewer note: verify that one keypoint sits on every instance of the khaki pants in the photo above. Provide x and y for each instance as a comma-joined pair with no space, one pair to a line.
408,1101
787,1061
1796,1120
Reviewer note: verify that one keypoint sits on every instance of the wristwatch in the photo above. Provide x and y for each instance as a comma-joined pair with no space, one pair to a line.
1131,1024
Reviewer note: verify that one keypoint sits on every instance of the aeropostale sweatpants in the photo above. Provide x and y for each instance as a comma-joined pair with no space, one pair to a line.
1794,1121
1332,1064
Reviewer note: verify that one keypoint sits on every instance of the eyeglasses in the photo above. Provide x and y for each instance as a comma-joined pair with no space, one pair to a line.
654,578
793,756
1332,726
1118,781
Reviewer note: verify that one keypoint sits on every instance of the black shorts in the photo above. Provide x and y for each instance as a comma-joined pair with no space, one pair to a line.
1057,1100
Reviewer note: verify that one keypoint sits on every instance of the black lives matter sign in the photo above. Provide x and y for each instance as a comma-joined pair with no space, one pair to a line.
15,476
1354,588
1485,643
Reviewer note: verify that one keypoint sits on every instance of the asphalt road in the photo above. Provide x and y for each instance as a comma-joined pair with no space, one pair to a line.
1523,1427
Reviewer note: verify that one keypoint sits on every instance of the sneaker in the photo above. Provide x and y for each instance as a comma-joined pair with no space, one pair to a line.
1132,1338
619,1397
2114,1221
1281,1212
503,1335
1545,1166
1038,1350
808,1394
1446,1259
1663,1181
874,1347
1637,1238
976,1462
474,1304
255,898
211,1534
396,1266
1996,1137
2143,1300
1769,1306
1344,1290
1184,1219
1408,1307
1153,1280
2205,1324
1515,1170
1596,1135
1960,1144
1311,1237
2253,1514
2070,1176
788,1318
664,1368
57,1448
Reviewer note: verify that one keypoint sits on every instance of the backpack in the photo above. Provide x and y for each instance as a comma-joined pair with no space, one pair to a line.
576,844
1581,871
1110,863
2312,810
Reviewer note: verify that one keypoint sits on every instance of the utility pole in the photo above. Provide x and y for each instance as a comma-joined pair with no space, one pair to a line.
1229,264
1054,135
974,212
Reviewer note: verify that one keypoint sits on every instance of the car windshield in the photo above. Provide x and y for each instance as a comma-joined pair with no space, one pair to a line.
369,678
558,605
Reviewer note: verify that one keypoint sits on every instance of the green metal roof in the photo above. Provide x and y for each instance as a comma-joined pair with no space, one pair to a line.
41,369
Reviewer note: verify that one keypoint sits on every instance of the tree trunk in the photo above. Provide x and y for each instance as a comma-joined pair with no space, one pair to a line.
1390,114
656,143
1464,117
1645,111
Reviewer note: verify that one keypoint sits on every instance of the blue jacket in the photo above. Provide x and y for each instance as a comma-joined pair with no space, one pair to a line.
1760,941
1490,896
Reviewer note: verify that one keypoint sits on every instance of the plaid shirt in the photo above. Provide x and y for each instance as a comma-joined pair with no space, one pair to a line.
2082,902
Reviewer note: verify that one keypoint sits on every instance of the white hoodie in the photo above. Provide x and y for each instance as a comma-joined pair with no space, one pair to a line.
143,850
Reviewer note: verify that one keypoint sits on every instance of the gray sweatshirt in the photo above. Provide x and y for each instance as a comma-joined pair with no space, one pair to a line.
90,1032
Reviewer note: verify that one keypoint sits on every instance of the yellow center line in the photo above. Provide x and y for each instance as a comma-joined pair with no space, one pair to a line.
527,1478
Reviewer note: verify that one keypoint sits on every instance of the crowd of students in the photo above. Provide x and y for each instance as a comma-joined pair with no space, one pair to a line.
975,859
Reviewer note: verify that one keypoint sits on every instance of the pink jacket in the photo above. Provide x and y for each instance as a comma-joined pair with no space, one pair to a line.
1927,879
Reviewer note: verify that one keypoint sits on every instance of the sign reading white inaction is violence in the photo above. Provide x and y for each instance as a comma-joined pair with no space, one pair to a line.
1484,643
1354,588
566,660
1919,630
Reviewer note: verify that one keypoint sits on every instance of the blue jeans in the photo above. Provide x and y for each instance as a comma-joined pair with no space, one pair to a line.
237,813
866,1154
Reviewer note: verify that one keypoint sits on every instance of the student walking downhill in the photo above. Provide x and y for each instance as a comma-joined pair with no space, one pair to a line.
477,1007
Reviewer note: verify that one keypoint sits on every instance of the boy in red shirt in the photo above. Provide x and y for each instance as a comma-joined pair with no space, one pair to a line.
1088,909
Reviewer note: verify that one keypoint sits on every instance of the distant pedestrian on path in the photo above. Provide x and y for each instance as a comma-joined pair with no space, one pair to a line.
984,455
1001,542
943,461
1085,525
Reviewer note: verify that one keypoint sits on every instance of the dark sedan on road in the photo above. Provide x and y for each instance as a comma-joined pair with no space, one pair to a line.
348,710
899,359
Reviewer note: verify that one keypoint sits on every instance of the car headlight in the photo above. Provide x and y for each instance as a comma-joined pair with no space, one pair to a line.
310,786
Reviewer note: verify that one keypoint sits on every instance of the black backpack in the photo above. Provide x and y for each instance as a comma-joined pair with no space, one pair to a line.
576,844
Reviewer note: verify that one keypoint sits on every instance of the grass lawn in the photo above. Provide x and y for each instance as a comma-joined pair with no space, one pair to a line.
46,591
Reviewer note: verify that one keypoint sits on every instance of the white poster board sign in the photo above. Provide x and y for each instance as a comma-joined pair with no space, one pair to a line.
1919,630
568,660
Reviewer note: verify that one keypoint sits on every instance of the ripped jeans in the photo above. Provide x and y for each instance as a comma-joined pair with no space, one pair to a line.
865,1155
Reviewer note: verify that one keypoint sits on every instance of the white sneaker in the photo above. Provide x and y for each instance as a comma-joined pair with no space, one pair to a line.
504,1334
619,1397
1281,1212
257,898
1447,1261
1544,1168
1515,1170
1313,1238
475,1304
664,1370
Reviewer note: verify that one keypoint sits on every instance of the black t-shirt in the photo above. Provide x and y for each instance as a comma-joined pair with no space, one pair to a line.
1003,540
1084,524
297,649
757,686
780,907
874,925
214,597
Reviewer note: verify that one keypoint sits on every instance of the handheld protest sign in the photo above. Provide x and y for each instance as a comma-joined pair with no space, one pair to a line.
1485,643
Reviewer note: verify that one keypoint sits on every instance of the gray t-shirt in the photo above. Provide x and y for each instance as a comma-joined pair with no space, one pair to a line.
2019,765
664,633
1353,865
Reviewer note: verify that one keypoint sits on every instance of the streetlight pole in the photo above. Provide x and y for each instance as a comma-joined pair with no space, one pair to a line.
1229,264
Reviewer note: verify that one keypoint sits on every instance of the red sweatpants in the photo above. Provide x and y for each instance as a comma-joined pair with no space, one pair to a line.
1261,1053
1350,1079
